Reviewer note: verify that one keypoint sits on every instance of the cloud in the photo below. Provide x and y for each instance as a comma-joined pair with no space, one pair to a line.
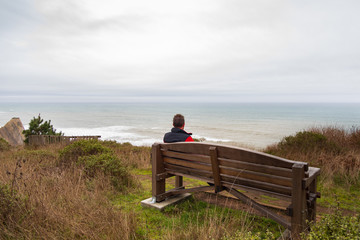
208,50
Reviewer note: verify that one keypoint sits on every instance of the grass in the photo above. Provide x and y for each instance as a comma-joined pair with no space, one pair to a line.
45,201
337,152
57,192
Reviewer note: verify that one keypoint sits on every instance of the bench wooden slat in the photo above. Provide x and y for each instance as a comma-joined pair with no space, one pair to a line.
187,156
233,153
283,172
194,148
254,157
256,184
257,176
276,180
189,164
191,172
226,179
183,173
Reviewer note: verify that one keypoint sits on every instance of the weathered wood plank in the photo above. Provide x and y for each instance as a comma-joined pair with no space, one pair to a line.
274,179
158,186
186,163
187,156
191,172
179,182
243,182
254,157
233,153
283,172
298,220
215,169
187,147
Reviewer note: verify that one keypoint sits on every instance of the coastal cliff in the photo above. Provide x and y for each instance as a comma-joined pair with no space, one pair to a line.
12,132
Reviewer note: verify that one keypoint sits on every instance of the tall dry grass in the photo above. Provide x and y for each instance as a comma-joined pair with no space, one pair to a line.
221,226
335,150
136,157
40,200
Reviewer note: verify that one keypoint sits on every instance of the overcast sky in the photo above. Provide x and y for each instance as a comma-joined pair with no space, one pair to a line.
198,50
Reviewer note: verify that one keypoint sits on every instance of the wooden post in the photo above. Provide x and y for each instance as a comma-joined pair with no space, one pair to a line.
298,220
178,181
158,186
312,203
215,169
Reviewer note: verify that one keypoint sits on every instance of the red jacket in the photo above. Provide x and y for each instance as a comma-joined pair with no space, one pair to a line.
177,135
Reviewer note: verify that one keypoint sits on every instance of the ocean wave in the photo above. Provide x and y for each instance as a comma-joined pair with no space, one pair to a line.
104,132
211,139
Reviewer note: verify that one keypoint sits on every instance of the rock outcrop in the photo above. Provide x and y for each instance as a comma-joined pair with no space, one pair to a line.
12,132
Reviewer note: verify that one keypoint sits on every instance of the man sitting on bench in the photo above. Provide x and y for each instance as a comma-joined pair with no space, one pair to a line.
177,133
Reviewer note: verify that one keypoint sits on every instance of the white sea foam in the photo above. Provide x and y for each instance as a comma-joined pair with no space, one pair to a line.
104,132
211,139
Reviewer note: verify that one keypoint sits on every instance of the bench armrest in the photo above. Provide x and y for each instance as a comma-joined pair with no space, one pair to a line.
313,173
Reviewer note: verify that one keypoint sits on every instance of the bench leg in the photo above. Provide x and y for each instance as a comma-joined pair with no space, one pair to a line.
298,219
158,185
178,181
312,203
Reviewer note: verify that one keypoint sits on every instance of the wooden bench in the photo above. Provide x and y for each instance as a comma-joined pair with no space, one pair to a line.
230,169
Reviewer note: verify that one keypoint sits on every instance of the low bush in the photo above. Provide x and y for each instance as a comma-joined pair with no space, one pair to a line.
71,153
336,226
335,150
111,166
95,157
306,141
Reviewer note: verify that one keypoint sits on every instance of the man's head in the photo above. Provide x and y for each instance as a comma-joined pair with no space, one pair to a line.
179,121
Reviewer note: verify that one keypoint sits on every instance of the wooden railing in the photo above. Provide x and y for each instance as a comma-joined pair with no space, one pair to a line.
39,140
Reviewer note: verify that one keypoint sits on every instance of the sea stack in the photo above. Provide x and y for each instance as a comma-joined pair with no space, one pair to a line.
12,132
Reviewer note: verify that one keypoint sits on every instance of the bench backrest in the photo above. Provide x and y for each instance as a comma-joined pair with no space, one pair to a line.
231,166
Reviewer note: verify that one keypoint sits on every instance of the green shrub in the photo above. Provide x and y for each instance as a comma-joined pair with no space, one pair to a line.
111,166
71,153
4,145
95,157
336,226
305,142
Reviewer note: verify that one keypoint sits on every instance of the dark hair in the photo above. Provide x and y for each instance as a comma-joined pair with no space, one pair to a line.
178,121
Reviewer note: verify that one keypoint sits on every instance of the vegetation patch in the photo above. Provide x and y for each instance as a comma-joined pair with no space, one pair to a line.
336,226
335,150
305,142
95,158
13,211
56,192
37,126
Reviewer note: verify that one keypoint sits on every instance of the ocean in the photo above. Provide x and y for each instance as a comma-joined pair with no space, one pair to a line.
253,125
